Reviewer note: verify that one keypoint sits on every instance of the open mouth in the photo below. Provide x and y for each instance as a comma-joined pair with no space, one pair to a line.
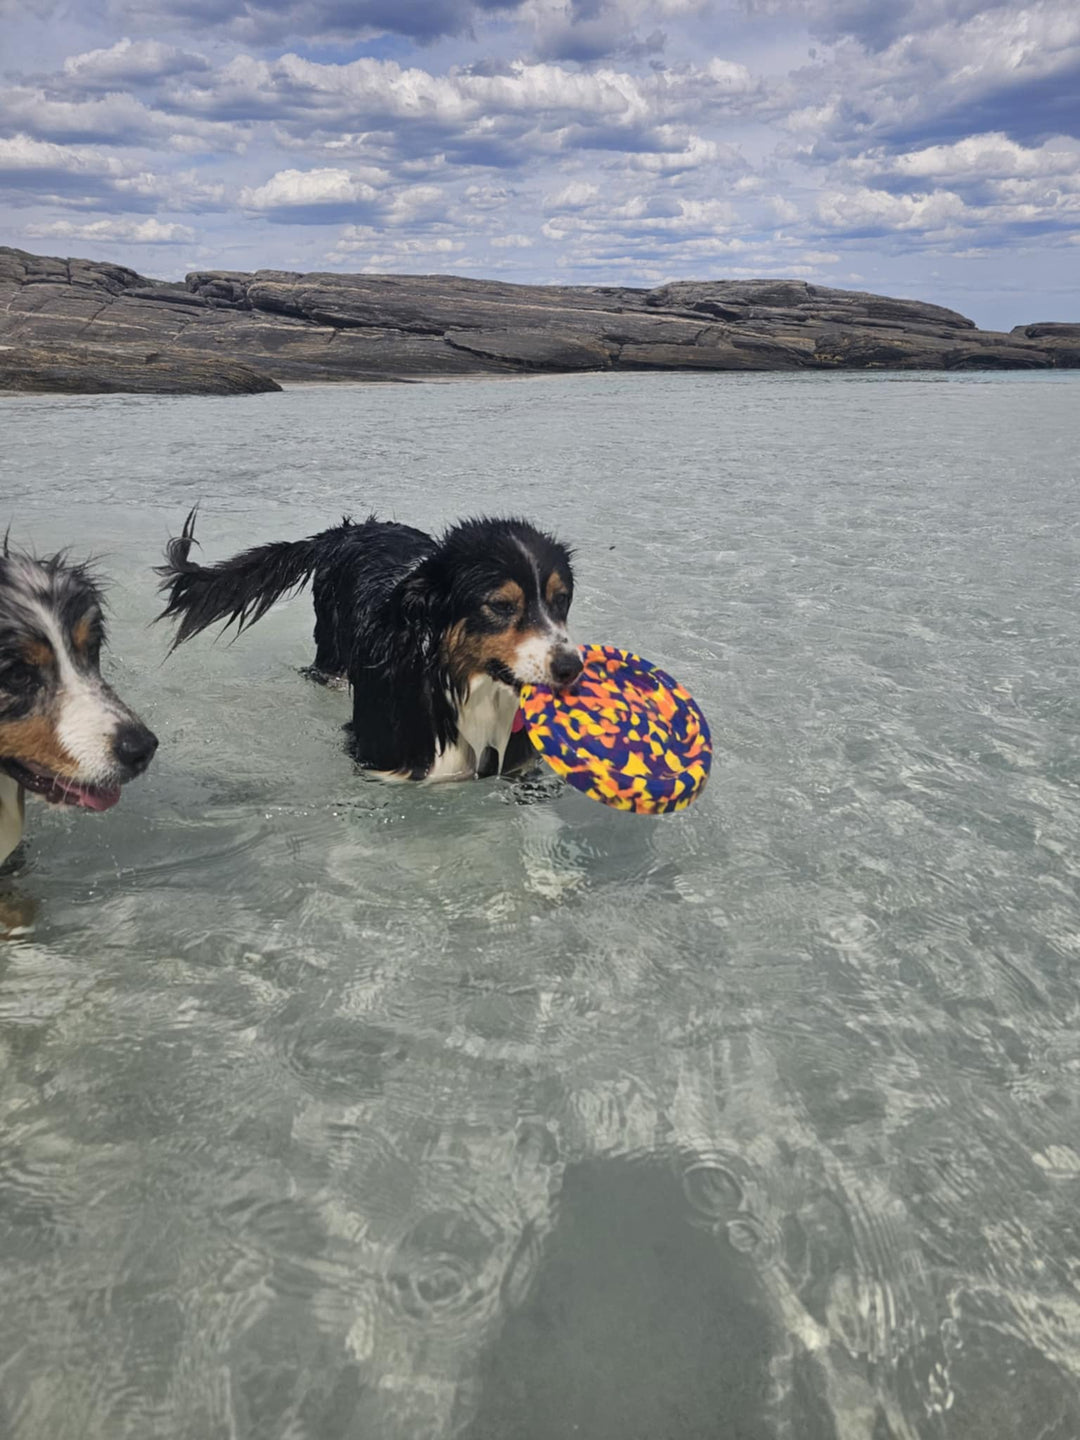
60,791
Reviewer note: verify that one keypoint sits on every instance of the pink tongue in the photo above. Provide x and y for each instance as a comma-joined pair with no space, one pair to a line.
98,799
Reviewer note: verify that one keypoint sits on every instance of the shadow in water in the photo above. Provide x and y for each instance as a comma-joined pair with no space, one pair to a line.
638,1326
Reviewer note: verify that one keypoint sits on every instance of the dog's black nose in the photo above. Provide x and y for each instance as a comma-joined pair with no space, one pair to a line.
566,666
134,746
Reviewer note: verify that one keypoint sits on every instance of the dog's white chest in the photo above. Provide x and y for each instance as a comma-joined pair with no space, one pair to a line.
11,815
485,720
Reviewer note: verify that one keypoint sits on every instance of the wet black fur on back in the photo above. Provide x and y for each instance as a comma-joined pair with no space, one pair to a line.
385,596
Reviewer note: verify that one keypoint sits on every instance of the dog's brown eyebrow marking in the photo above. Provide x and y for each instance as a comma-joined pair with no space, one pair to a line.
510,593
556,585
39,653
82,632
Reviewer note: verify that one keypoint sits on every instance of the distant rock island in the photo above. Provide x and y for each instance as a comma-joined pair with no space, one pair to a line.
85,326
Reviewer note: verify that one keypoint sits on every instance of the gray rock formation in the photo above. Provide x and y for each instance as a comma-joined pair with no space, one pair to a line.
80,325
1063,340
73,369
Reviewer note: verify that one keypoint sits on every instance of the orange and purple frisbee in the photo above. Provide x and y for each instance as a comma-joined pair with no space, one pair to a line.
625,733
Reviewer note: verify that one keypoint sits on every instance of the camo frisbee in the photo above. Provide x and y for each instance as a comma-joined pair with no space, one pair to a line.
625,733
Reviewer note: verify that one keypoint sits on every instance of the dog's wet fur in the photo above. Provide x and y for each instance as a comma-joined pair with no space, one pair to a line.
435,635
65,735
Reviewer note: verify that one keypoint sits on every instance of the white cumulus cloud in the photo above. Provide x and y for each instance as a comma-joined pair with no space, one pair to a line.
119,232
307,187
131,61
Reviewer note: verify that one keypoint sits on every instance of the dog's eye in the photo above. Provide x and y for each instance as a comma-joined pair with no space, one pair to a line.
502,609
559,605
18,675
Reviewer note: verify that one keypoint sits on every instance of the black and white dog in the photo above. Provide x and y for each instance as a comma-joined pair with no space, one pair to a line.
435,636
64,734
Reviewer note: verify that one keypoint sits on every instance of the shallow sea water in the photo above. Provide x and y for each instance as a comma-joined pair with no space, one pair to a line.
331,1111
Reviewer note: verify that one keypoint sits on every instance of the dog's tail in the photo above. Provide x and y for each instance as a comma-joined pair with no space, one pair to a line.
237,591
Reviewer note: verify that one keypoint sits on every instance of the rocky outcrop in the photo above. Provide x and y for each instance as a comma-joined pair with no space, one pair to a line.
75,327
224,332
71,369
1062,340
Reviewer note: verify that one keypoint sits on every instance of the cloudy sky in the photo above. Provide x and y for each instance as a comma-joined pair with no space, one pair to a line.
928,148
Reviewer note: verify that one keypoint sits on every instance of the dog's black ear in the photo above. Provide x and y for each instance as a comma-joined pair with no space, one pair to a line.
416,596
421,603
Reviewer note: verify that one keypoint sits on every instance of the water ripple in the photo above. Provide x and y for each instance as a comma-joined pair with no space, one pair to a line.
294,1067
446,1270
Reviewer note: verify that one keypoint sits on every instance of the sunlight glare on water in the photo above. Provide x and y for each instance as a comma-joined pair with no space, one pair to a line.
334,1110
